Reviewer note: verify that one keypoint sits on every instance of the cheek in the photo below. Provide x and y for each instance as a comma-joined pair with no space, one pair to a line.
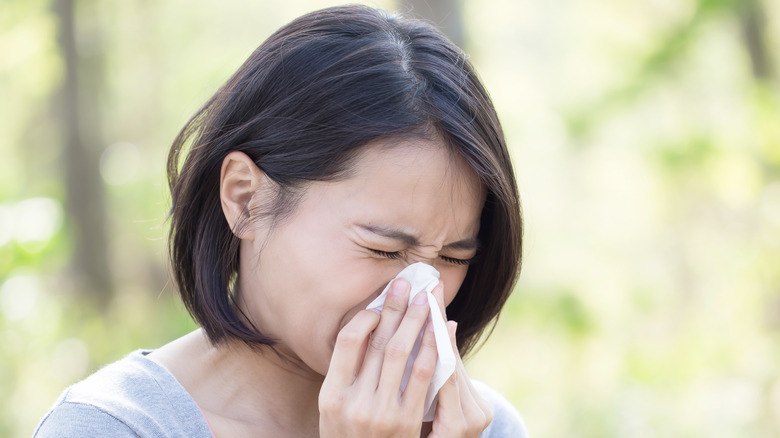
354,283
453,278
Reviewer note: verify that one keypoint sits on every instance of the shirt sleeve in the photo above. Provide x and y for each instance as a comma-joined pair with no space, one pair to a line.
73,420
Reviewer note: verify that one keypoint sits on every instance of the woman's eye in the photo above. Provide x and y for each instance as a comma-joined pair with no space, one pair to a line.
457,261
394,255
390,255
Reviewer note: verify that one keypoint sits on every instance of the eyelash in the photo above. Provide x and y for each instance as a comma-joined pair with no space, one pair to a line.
390,255
397,255
462,262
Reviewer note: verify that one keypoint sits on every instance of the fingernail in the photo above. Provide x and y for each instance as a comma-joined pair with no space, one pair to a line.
420,298
430,327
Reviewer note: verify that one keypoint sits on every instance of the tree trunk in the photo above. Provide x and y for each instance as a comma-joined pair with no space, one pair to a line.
752,20
84,203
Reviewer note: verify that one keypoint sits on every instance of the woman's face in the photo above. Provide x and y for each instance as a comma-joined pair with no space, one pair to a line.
405,201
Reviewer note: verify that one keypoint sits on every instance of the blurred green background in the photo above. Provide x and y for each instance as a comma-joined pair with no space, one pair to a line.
646,138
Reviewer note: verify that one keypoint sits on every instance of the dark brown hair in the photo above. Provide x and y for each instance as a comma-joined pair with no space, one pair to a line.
301,107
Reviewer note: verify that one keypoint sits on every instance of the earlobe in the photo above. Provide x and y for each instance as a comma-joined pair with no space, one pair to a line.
240,179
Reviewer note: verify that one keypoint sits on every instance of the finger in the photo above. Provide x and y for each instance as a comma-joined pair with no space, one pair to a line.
458,412
464,382
472,411
422,372
460,405
449,415
401,344
476,409
449,419
347,352
451,389
392,314
452,329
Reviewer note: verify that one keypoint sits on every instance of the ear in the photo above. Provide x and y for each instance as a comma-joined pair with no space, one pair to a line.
239,180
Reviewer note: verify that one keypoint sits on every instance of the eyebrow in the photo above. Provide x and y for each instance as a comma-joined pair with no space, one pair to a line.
469,243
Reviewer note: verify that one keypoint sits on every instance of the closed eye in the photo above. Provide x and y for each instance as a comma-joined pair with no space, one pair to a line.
395,255
387,254
458,261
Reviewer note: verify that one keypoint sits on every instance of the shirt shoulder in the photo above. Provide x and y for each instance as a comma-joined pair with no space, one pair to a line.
131,397
506,420
66,420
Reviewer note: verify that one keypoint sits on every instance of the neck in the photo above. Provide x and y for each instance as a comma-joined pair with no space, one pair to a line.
252,387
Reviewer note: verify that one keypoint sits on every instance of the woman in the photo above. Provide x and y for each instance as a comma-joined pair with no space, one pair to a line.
349,145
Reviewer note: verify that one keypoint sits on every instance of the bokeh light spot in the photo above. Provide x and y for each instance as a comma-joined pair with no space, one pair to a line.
36,220
18,296
119,163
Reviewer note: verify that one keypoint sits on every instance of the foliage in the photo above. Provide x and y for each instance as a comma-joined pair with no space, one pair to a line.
648,152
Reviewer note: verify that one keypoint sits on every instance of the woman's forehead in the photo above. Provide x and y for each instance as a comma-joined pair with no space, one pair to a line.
414,185
405,157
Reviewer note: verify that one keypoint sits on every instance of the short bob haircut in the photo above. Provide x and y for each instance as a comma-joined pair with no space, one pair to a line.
302,107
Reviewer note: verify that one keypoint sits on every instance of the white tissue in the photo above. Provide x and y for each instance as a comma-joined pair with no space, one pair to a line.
425,277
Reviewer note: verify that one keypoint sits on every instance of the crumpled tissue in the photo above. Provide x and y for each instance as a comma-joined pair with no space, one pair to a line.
425,277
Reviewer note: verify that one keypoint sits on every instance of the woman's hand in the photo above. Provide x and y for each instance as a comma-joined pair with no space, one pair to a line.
361,393
461,411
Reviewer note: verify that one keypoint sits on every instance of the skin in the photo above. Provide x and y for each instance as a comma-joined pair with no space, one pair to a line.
306,282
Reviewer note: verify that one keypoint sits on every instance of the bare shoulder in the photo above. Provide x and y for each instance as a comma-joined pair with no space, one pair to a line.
177,355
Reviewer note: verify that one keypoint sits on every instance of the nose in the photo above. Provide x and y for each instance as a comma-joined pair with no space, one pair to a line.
428,261
427,254
418,259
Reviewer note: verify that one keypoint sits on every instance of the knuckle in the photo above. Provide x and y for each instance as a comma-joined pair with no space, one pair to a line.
378,342
329,405
423,370
397,349
385,424
429,340
357,415
348,338
396,304
381,422
420,311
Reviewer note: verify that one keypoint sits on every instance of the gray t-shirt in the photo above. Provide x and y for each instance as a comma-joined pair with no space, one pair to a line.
136,397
